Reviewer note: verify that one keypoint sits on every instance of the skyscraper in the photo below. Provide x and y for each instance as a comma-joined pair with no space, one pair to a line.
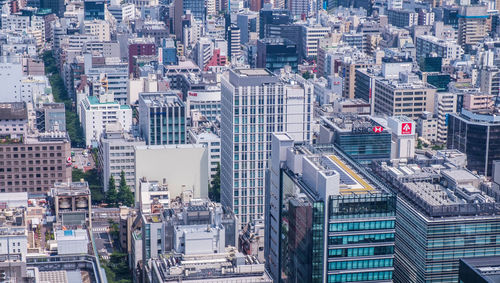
233,42
327,220
256,103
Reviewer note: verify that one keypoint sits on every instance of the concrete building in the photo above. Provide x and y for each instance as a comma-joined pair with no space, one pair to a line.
437,194
472,25
153,196
221,267
51,117
427,126
97,112
205,102
116,154
72,204
478,101
98,28
403,131
233,42
407,96
444,104
184,168
209,136
310,39
72,242
188,227
428,45
11,75
162,118
14,235
321,222
251,239
256,103
34,163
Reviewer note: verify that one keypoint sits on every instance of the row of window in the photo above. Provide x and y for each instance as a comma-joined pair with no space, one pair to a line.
368,251
364,276
365,225
358,239
30,148
360,264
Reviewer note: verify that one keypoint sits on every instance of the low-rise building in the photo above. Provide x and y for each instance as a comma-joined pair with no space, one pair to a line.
220,267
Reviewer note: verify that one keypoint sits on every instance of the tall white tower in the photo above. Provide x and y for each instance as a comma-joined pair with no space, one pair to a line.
255,104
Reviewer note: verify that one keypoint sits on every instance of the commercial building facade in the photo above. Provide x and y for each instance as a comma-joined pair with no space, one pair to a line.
478,136
326,221
162,118
256,103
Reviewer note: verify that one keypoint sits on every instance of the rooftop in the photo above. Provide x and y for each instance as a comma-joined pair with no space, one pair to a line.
161,99
13,110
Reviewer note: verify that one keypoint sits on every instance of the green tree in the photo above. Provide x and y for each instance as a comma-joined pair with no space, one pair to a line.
111,194
125,195
214,190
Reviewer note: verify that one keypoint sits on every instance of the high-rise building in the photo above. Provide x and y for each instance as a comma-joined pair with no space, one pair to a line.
233,42
162,118
310,39
298,8
444,213
327,219
248,22
444,104
276,53
93,10
472,26
256,103
477,134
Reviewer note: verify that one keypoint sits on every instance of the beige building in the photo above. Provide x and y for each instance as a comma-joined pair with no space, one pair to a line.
472,25
34,164
180,167
98,28
406,96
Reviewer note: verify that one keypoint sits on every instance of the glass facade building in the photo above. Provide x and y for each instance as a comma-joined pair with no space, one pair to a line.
328,236
478,136
276,53
441,217
162,118
93,10
363,139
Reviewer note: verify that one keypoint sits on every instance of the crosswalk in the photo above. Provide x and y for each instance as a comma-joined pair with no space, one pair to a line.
99,229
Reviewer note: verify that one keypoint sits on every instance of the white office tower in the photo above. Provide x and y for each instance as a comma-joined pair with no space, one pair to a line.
256,103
